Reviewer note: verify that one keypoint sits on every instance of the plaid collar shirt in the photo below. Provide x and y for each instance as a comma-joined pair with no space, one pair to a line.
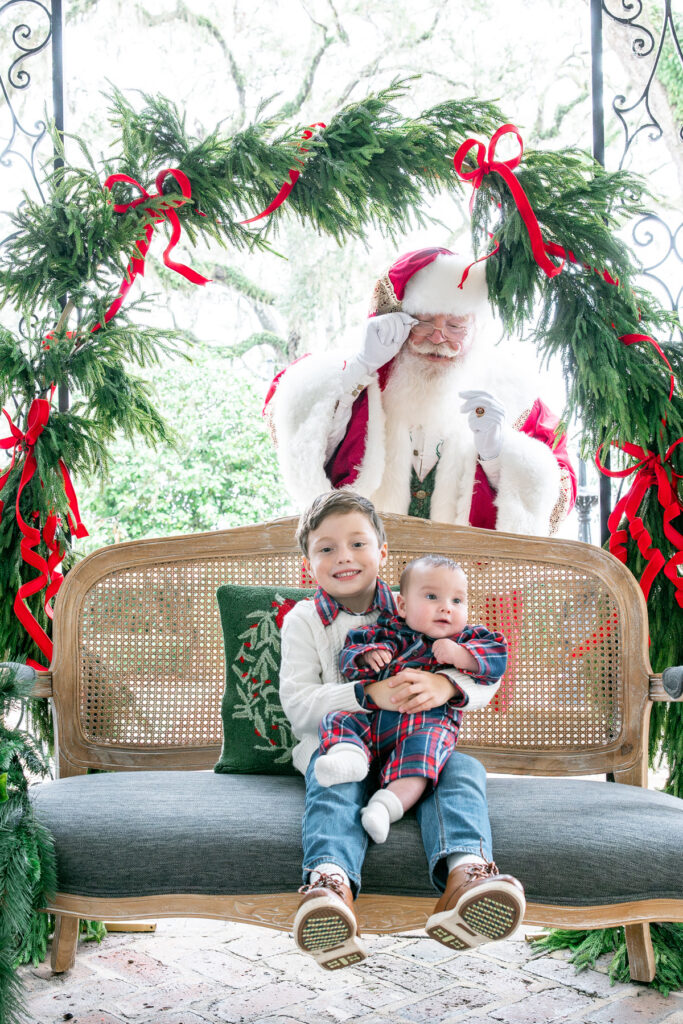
328,607
410,649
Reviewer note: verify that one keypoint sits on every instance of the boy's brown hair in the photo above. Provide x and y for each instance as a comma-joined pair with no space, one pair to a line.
434,562
335,503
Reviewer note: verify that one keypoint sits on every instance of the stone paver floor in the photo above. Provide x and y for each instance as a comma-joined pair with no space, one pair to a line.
201,972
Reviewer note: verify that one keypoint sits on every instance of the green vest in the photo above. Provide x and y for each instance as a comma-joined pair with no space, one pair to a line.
421,493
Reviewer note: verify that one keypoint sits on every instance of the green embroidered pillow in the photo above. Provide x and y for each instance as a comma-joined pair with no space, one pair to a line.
257,736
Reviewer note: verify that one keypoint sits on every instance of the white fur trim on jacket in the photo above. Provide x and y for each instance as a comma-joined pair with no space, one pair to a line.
436,288
304,405
529,484
303,409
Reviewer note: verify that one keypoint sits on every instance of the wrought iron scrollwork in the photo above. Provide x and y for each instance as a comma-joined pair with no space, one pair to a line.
642,46
662,251
29,41
660,246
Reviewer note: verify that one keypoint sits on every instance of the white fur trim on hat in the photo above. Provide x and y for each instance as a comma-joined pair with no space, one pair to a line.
435,289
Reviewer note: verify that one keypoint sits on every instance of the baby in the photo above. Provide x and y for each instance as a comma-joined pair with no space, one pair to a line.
429,631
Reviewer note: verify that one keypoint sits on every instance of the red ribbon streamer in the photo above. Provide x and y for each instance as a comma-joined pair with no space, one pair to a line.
634,339
288,185
650,472
137,263
627,339
487,164
49,578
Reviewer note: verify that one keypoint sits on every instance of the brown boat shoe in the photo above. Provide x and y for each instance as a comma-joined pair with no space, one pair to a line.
479,905
325,924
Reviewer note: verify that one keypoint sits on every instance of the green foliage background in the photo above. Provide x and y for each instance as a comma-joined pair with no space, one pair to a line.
222,472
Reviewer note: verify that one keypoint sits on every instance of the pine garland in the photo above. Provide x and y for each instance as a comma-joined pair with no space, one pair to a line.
27,862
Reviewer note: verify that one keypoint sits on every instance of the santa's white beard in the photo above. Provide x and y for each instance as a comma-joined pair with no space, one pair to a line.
423,392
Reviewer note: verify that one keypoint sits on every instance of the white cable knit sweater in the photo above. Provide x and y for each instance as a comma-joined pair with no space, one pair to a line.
311,684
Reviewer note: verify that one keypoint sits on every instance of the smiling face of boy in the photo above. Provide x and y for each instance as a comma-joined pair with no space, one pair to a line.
434,601
345,556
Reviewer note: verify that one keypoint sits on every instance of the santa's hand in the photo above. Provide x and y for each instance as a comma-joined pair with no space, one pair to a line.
485,420
384,336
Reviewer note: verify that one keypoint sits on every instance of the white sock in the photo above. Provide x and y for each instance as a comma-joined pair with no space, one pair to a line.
344,762
456,860
328,869
382,810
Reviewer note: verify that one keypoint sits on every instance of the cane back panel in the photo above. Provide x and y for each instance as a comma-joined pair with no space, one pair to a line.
139,669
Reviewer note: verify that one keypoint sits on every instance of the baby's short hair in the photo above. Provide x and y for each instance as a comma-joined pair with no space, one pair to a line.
335,503
432,562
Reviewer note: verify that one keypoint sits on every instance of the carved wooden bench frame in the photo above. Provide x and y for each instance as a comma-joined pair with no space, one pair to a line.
625,757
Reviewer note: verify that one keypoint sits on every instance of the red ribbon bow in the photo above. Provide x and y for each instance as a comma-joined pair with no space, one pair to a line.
650,472
49,577
487,164
167,212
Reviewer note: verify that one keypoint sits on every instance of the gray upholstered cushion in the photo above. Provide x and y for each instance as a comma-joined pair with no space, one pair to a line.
571,842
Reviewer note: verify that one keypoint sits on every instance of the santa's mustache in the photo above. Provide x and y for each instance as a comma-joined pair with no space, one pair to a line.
426,348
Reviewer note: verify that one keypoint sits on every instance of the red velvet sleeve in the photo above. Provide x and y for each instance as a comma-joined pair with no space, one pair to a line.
542,424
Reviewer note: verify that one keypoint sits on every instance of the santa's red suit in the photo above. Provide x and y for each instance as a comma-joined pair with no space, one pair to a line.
389,421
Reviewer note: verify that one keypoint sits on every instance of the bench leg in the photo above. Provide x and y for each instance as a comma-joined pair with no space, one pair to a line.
641,957
64,943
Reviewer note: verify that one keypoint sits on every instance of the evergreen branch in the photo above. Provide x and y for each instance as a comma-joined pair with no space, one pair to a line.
373,166
369,166
586,947
28,875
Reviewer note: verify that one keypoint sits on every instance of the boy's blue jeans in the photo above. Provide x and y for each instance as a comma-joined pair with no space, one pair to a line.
453,818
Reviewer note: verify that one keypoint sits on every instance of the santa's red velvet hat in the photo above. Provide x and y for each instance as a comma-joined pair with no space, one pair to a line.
430,281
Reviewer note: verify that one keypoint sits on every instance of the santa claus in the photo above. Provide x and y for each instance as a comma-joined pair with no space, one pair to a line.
428,417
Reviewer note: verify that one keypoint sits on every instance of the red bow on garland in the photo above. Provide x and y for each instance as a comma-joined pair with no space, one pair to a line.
166,212
487,164
650,472
539,248
23,445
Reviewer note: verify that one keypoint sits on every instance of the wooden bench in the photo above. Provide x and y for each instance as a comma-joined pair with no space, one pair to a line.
136,684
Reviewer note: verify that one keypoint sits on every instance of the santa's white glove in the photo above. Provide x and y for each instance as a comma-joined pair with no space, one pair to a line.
485,420
384,336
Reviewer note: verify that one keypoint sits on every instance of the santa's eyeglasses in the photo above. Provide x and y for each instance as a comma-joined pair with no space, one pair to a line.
451,332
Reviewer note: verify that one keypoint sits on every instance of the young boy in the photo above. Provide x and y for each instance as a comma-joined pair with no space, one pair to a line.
430,630
344,547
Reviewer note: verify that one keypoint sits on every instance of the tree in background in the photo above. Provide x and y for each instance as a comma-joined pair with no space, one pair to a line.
222,473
